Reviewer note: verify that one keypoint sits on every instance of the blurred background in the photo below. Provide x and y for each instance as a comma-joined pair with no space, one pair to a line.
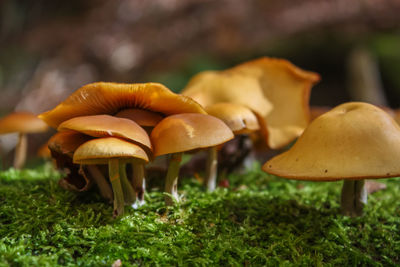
49,48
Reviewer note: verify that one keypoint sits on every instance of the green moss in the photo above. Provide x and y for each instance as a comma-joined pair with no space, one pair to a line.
261,220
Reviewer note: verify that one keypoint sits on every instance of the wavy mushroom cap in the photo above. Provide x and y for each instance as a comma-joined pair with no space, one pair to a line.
100,150
22,122
185,132
105,126
109,98
288,88
352,141
211,87
239,118
67,142
140,116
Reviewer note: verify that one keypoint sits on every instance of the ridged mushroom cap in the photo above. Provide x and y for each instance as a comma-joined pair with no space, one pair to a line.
22,122
287,88
211,87
105,126
101,150
140,116
109,98
239,118
185,132
352,141
66,142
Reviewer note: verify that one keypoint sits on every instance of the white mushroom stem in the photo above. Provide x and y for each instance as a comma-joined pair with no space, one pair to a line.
20,151
139,182
104,186
210,180
354,197
171,181
113,169
129,193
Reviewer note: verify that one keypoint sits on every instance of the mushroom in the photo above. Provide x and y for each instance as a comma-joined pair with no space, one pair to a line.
185,132
115,152
142,117
240,119
104,126
22,123
352,142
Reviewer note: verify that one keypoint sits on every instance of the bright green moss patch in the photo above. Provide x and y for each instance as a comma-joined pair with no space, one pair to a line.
260,220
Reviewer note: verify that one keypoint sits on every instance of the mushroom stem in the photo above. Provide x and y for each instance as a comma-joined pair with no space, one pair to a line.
104,186
20,151
113,169
138,182
354,197
210,180
129,193
171,181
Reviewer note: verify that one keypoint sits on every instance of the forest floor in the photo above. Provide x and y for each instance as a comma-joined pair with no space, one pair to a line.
260,220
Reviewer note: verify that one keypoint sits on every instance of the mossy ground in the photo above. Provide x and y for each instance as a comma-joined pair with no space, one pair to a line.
259,220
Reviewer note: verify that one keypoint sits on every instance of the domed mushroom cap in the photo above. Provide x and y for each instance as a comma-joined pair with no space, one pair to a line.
67,142
211,87
288,88
105,125
100,150
109,98
22,122
140,116
352,141
185,132
238,117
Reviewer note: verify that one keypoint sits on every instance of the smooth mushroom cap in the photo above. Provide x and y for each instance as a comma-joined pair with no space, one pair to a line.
239,118
106,125
211,87
352,141
100,150
140,116
288,88
22,122
67,142
316,111
109,98
184,132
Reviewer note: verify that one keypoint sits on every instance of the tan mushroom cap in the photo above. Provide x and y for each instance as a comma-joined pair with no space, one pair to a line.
211,87
239,118
105,125
67,142
185,132
288,88
109,98
352,141
100,150
316,111
140,116
22,122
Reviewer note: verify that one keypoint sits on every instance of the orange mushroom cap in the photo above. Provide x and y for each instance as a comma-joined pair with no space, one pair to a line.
239,118
67,142
105,125
185,132
100,150
352,141
140,116
109,98
22,122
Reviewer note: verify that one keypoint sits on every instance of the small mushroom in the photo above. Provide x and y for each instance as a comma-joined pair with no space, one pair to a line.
352,142
115,152
22,123
185,132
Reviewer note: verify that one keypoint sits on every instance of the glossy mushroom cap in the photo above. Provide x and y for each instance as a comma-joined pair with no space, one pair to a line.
105,125
109,98
142,117
22,122
185,132
352,141
288,88
100,150
211,87
239,118
66,142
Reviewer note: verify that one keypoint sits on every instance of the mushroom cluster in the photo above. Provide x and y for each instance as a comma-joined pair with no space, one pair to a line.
118,124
